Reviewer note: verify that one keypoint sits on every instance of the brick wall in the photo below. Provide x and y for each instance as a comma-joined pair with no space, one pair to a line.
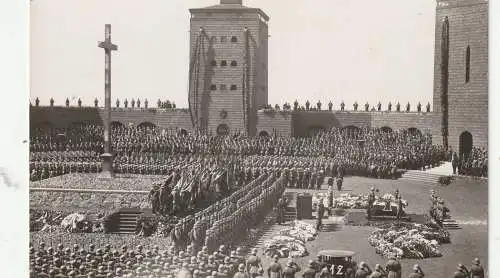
402,120
228,23
279,122
285,123
62,117
468,101
306,120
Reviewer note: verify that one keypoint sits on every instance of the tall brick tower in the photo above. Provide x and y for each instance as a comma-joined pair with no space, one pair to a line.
460,117
228,67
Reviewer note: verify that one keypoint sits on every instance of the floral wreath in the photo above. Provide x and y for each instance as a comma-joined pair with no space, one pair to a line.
223,114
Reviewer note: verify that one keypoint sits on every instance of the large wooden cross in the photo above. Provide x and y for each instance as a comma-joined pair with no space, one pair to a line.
107,157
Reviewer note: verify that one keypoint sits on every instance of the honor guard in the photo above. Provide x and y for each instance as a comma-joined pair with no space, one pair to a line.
275,270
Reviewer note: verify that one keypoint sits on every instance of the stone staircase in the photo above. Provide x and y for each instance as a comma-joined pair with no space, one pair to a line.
127,220
420,176
450,224
290,214
332,224
291,209
430,175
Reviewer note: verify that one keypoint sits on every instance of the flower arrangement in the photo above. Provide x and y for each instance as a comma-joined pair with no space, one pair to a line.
290,242
409,241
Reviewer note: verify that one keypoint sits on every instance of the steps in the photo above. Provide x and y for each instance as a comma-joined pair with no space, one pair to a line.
451,224
291,209
429,175
290,214
127,220
421,176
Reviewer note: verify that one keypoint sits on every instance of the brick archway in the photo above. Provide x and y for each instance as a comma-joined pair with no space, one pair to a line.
465,143
116,124
386,129
223,129
414,131
263,133
146,125
313,130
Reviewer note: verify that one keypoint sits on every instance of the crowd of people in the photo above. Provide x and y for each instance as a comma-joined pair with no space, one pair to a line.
111,261
146,150
474,163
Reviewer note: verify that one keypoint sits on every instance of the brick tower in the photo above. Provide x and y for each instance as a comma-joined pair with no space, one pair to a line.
228,67
460,117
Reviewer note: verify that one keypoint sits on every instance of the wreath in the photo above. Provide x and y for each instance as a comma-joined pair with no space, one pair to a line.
223,114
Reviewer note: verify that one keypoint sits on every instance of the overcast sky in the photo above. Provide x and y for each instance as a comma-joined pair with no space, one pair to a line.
361,50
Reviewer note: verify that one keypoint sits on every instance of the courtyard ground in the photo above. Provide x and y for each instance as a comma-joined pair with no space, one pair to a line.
468,203
466,198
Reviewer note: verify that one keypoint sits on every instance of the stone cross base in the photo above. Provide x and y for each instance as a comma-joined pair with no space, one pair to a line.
107,166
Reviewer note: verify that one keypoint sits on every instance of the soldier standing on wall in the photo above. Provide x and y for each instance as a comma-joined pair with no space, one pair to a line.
330,106
342,106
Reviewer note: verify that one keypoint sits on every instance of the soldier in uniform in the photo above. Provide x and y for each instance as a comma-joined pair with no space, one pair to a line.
310,271
253,263
476,270
454,162
321,212
281,211
363,271
241,272
417,272
378,272
400,211
275,270
290,269
371,200
393,268
461,272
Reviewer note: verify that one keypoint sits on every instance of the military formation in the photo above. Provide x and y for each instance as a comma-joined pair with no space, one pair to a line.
474,163
79,262
136,262
145,150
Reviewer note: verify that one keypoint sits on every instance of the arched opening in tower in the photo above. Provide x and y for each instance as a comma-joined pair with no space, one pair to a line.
465,143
